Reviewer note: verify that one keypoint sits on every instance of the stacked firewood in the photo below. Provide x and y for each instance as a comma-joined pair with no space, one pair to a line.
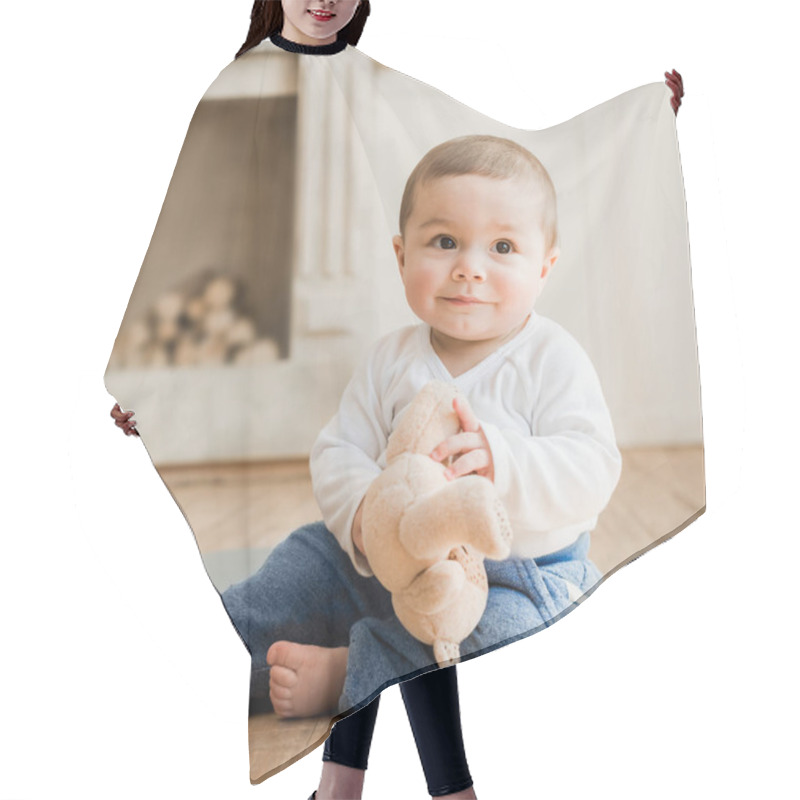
204,327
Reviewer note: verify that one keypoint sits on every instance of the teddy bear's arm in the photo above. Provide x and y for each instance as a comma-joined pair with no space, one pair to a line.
465,511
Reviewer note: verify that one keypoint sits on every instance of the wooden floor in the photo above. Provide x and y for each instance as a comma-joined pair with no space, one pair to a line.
660,491
277,743
239,508
248,505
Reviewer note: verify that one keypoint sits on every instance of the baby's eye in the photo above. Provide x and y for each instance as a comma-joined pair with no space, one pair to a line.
445,242
503,247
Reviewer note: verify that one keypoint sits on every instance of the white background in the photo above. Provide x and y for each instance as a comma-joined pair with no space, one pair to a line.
121,675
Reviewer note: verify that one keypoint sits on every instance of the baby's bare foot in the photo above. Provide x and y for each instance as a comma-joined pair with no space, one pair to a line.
305,680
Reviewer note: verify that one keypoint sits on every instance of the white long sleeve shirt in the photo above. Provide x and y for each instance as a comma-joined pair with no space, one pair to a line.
540,404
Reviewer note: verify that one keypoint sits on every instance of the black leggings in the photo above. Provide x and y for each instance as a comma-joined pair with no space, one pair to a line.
432,707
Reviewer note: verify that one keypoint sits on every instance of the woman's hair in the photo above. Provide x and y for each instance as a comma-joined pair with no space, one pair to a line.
266,18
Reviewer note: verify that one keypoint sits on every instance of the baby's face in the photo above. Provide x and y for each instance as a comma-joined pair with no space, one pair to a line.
473,256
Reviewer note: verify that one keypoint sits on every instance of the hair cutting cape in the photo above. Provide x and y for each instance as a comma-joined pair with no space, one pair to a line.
271,275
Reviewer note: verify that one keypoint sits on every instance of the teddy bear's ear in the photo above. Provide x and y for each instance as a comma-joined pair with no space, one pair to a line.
428,420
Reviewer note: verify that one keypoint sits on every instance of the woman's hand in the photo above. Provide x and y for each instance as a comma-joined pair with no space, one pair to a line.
470,447
124,420
675,82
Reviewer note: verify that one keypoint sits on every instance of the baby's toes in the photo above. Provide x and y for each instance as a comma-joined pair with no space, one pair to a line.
281,690
279,653
283,708
278,692
282,677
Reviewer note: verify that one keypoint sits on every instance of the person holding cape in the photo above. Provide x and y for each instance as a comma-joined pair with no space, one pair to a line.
321,28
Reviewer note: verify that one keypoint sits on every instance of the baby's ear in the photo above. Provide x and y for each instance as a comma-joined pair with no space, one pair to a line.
550,261
399,251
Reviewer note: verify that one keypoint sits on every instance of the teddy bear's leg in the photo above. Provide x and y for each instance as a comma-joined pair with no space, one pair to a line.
446,653
430,591
465,511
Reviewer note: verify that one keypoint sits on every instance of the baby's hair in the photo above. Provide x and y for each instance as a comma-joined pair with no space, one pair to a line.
491,157
266,18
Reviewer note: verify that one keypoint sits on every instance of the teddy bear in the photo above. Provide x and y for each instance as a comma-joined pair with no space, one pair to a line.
425,536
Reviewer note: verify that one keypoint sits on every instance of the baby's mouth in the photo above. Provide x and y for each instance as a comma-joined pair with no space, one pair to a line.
464,300
322,16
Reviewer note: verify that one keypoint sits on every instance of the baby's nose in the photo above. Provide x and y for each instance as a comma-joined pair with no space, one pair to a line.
469,270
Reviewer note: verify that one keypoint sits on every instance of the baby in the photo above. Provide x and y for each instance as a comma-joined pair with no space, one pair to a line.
478,239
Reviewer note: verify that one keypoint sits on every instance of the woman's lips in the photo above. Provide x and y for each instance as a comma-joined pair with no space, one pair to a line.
322,16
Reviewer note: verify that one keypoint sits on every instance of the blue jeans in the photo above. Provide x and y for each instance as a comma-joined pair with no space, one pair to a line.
308,591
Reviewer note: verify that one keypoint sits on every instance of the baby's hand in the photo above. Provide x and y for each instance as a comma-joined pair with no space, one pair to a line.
470,446
124,420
